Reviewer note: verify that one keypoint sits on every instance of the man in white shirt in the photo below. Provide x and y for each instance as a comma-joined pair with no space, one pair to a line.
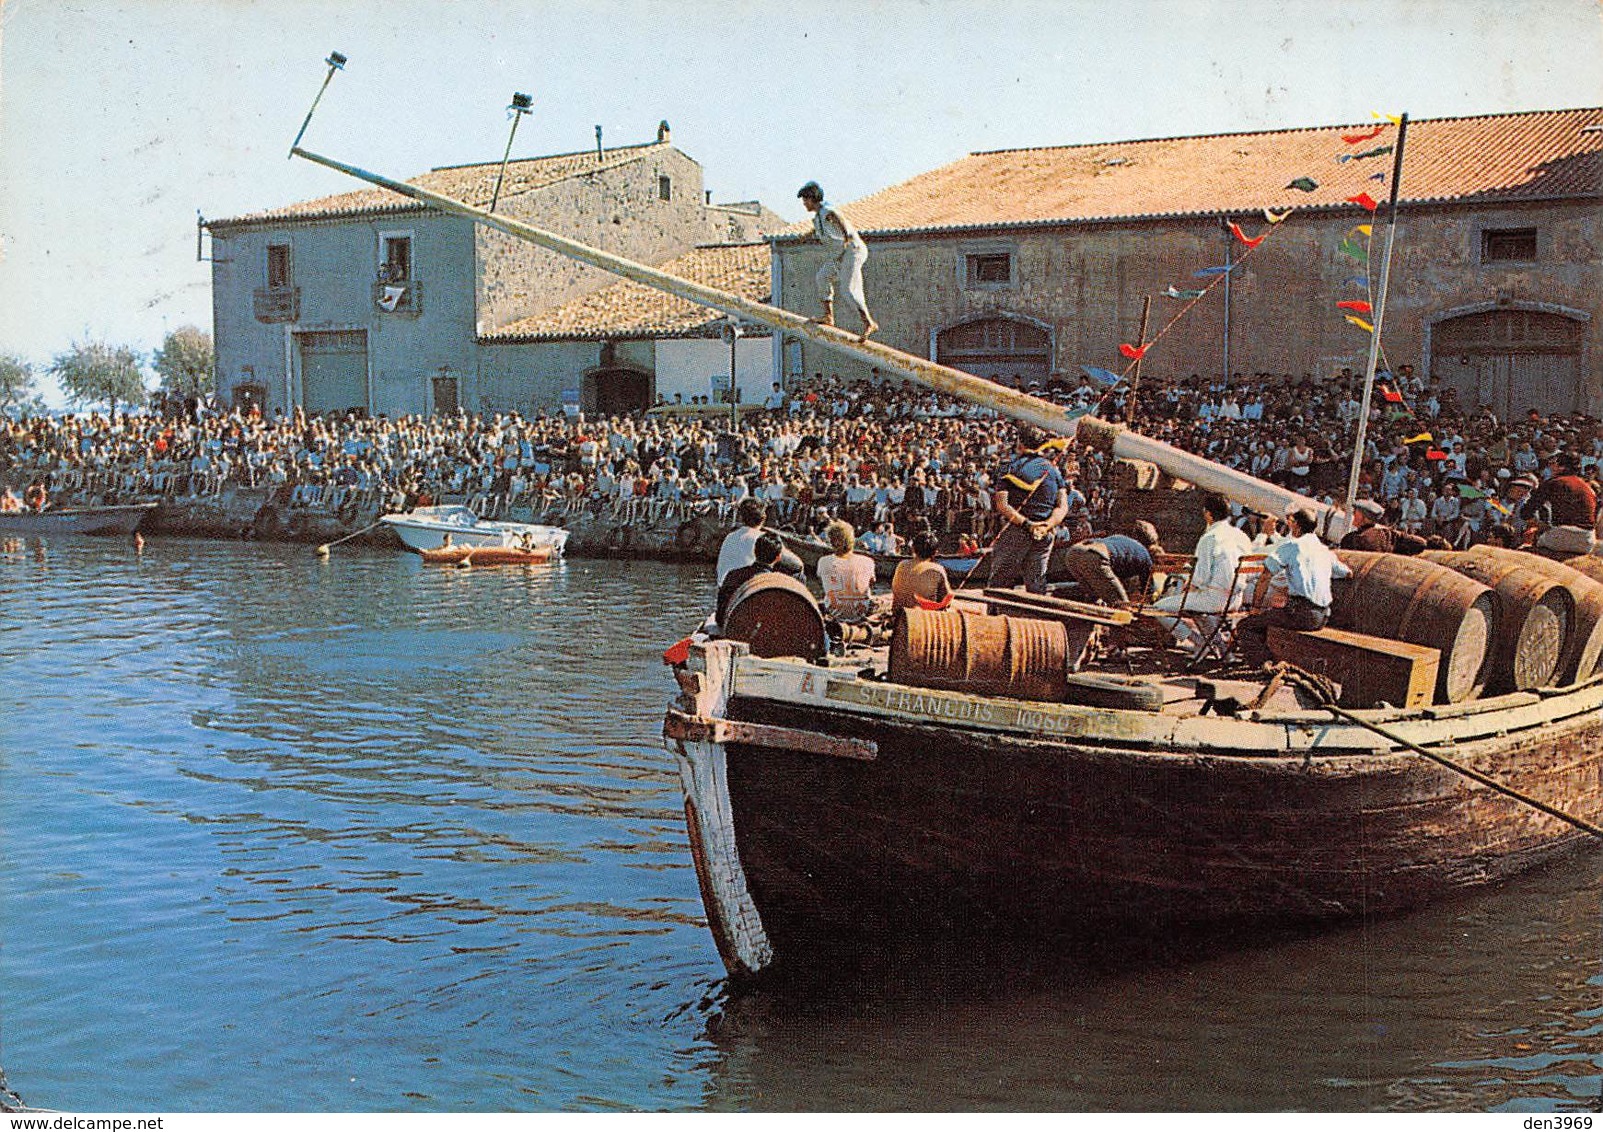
1213,578
1305,566
739,545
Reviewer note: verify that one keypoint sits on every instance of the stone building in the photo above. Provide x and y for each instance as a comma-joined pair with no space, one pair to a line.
371,301
635,345
1024,265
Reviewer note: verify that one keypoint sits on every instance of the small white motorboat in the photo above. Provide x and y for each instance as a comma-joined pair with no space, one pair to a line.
425,528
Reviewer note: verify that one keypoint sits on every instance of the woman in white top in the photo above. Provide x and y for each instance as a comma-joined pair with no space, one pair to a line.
847,577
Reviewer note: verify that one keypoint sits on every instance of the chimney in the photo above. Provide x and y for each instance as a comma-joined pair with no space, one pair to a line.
599,156
664,134
709,195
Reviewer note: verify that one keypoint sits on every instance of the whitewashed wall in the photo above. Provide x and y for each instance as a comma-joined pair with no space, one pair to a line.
686,366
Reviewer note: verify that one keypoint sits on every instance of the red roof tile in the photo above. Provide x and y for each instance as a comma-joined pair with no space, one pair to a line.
1528,156
633,310
472,184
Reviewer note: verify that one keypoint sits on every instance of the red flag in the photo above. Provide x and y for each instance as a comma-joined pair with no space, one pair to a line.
1235,230
1435,454
677,653
1359,139
1130,351
1390,395
1364,200
1357,305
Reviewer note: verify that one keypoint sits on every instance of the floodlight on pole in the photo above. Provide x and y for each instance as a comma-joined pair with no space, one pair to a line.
521,104
336,62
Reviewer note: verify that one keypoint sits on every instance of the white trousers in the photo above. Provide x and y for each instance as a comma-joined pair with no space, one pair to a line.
847,271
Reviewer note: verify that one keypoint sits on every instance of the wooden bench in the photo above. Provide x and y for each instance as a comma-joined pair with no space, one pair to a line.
1370,670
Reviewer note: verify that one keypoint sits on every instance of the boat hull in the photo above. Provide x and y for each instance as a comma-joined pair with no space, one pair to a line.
485,556
426,527
116,520
987,834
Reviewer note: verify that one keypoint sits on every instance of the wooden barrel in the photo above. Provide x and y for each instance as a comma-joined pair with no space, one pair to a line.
1537,617
776,615
1589,564
1585,651
957,651
1423,603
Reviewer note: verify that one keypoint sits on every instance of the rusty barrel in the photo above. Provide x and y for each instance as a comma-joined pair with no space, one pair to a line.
776,615
957,651
1585,650
1423,603
1538,614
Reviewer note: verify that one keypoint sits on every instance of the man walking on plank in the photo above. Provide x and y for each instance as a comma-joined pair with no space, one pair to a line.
845,266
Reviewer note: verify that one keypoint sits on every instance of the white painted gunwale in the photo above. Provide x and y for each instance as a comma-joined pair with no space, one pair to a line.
1297,734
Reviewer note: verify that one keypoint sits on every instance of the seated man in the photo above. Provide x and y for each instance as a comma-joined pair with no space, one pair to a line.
920,580
1213,578
768,555
1305,566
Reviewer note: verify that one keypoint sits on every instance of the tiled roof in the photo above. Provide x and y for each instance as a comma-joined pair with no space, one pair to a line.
1504,157
473,184
633,310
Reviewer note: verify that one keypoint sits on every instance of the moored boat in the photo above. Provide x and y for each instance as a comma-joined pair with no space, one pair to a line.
426,528
120,519
486,555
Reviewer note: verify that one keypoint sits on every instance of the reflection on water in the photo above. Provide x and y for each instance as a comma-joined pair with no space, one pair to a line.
357,834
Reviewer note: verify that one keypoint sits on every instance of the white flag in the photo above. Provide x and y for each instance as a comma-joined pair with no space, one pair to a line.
392,297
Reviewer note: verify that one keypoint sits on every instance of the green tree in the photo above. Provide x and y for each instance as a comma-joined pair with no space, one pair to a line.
92,372
186,363
18,393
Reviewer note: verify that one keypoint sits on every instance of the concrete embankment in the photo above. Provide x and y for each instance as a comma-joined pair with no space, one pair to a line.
670,535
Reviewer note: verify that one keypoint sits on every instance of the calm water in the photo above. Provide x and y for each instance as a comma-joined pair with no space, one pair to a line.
356,834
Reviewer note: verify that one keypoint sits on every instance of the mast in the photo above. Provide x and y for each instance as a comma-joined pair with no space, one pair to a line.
1111,438
1380,317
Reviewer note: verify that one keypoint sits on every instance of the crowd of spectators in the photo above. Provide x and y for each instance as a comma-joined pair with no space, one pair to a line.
891,459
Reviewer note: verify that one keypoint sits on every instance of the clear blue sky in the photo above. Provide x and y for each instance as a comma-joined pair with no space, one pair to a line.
120,118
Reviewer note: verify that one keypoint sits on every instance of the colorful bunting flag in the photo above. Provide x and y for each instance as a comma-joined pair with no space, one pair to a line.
1469,491
1357,306
1358,322
1130,351
1364,230
1390,395
1277,217
1175,293
1356,139
1422,438
1306,184
1358,281
1435,454
1376,152
1235,230
1101,376
1207,271
1494,504
1381,176
1394,119
1364,200
1354,251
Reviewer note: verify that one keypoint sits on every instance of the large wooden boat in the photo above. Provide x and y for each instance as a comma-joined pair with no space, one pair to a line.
830,811
121,519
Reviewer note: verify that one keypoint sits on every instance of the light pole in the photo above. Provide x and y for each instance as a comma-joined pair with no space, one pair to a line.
731,334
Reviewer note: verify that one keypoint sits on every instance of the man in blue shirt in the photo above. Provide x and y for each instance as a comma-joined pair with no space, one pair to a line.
1110,568
1032,501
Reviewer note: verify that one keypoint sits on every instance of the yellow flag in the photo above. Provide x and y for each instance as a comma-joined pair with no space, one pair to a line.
1358,322
1394,119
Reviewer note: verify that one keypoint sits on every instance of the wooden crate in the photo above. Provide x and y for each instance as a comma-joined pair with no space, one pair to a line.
1370,670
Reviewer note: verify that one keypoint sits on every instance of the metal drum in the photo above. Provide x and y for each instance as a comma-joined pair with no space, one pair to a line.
776,615
1423,603
956,651
1538,615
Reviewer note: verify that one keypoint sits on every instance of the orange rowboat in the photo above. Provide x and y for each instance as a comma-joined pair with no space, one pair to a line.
486,555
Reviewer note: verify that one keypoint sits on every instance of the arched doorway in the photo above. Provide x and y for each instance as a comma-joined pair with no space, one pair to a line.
617,390
1009,351
1510,358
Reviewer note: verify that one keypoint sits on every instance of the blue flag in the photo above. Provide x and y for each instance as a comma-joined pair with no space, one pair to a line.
1208,271
1101,376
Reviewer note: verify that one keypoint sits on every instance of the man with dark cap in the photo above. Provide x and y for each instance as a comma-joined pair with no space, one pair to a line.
1369,533
847,255
1032,501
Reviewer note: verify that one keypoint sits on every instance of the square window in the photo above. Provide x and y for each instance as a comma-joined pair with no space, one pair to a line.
989,269
1516,245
